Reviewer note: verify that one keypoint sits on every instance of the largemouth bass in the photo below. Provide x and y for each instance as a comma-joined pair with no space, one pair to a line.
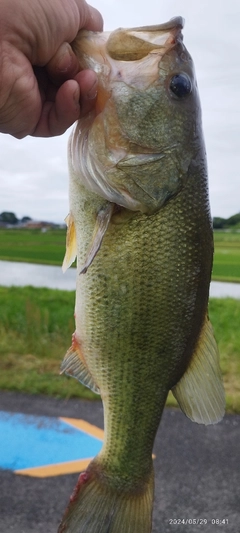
141,229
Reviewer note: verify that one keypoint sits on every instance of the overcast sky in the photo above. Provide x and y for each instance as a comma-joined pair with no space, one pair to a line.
33,172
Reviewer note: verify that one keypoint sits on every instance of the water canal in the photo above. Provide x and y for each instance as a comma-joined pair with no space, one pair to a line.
52,277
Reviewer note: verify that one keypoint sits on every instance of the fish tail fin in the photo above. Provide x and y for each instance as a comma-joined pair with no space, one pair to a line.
98,506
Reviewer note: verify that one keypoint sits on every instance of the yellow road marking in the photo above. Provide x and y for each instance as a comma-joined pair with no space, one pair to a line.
84,426
70,467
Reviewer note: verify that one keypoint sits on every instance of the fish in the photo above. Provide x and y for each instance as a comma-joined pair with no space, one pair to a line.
140,227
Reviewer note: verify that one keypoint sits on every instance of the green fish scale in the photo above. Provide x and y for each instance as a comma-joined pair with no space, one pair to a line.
144,299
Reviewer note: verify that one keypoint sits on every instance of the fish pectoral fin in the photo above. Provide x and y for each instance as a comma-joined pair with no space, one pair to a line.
71,243
73,366
101,226
200,391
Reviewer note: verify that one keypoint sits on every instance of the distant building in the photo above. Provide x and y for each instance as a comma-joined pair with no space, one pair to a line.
36,224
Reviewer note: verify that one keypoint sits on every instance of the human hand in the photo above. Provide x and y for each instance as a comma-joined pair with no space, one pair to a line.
42,91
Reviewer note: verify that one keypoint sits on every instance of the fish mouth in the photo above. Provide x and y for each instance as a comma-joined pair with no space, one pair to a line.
96,50
133,44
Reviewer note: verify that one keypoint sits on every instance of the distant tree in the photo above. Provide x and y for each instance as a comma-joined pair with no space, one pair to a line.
224,223
219,223
8,218
235,219
25,219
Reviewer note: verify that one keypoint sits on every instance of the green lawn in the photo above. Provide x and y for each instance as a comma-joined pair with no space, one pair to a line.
33,245
36,326
226,266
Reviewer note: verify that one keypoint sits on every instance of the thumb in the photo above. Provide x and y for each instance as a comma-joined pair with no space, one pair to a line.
63,65
93,19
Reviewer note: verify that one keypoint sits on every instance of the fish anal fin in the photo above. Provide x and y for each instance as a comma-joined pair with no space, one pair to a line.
71,243
200,391
74,365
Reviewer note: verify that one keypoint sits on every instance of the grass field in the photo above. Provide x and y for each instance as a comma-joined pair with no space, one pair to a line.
226,266
33,246
36,326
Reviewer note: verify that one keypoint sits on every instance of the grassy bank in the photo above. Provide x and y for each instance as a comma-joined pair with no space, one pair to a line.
35,331
36,327
33,246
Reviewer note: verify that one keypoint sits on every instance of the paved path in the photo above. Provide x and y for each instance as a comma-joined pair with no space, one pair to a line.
197,473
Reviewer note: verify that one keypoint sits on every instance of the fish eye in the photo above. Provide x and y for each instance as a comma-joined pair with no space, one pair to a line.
181,85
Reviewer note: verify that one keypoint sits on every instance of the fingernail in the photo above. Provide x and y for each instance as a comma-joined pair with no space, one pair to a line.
76,96
92,93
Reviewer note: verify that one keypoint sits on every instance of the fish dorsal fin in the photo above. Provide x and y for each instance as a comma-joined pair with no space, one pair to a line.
200,391
74,366
71,243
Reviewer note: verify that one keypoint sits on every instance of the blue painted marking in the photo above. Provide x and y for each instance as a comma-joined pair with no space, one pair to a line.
29,441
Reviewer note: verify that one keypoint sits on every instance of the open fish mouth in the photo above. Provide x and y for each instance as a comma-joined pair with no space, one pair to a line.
94,50
135,43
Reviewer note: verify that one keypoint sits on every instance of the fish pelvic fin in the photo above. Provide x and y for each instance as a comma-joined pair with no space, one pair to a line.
200,391
97,505
74,365
71,243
